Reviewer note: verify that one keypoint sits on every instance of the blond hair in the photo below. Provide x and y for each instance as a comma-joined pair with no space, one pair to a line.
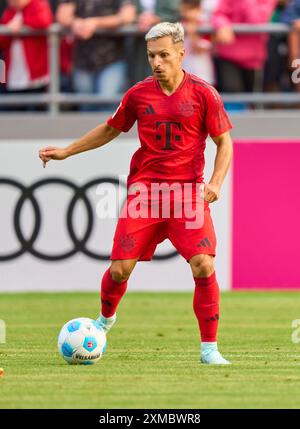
175,30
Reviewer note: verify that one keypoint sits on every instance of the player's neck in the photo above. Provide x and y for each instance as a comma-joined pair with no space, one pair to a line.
170,86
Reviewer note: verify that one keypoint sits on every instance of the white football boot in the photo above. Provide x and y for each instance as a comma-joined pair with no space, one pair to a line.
106,323
211,355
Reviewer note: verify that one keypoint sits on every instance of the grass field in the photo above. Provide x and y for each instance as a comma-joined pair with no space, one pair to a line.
152,355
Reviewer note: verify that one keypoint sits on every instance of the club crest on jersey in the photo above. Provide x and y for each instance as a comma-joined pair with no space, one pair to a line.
186,108
127,242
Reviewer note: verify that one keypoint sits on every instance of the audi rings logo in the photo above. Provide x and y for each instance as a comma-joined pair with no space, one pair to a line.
79,193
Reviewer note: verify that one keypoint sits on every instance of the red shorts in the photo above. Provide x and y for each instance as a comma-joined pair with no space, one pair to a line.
137,238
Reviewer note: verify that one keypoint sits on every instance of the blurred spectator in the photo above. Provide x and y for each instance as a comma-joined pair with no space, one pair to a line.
275,73
291,15
198,58
26,57
66,62
98,63
2,6
53,4
149,13
208,7
239,56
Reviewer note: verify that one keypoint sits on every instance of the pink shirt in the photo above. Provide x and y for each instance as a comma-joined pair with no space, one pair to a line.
249,51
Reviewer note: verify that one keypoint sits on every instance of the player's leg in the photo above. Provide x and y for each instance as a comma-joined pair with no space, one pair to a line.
113,288
206,304
198,247
134,239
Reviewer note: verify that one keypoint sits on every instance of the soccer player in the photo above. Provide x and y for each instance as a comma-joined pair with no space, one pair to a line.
175,112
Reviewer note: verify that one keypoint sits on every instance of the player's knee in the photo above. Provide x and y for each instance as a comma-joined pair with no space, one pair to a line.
120,272
202,266
119,275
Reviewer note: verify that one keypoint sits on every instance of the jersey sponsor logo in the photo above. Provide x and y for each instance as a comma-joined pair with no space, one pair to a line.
169,133
186,108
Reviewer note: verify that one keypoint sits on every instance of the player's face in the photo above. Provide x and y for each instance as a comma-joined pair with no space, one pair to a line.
165,57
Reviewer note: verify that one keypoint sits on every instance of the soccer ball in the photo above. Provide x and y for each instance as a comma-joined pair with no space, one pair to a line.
81,341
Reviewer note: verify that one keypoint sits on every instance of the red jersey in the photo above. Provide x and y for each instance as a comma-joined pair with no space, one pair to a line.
172,128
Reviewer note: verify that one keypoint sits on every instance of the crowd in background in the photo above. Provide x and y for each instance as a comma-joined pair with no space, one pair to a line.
106,64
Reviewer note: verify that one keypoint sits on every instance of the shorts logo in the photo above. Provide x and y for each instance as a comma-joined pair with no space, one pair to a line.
186,108
127,243
204,243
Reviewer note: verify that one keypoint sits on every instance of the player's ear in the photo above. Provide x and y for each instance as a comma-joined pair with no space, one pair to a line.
180,49
181,52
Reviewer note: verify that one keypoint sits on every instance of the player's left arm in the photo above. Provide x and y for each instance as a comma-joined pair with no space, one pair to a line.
222,162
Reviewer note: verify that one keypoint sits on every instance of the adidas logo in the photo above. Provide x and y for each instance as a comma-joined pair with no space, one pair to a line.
213,318
204,243
149,110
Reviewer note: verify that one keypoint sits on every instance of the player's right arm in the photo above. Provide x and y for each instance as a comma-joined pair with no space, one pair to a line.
121,121
95,138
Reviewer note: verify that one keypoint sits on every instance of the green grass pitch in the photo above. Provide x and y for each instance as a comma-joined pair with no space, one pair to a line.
152,355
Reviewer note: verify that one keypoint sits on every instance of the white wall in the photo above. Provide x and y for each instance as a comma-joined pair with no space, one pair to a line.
19,161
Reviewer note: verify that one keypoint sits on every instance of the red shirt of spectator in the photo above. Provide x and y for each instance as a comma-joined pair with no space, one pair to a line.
35,14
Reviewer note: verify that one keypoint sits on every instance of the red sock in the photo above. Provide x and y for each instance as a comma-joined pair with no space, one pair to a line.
111,294
206,307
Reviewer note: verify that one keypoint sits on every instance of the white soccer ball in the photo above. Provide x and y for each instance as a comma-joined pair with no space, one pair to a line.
81,341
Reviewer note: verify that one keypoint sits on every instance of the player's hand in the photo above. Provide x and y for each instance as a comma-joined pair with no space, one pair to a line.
51,152
211,192
225,35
